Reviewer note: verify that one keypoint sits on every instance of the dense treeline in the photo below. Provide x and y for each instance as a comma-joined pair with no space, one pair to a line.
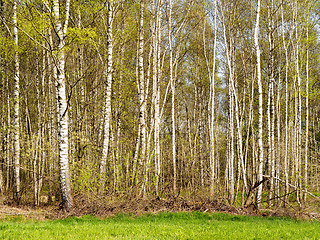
156,98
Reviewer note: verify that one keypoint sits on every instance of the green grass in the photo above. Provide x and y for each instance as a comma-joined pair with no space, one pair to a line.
162,226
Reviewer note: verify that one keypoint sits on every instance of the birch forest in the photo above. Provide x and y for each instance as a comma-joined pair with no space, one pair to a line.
158,99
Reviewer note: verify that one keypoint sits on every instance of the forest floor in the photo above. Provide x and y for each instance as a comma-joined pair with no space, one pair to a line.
136,207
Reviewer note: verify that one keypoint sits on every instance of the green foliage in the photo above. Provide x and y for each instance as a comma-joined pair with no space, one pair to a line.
82,35
6,46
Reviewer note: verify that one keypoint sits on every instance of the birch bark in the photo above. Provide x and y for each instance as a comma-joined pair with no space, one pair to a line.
260,121
212,121
172,102
142,94
307,120
286,112
299,110
107,107
211,115
156,92
16,149
270,112
65,181
230,117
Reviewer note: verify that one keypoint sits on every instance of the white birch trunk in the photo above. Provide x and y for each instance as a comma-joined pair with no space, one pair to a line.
16,149
270,113
286,113
212,122
65,181
156,90
107,107
298,114
142,95
260,121
154,79
51,113
212,108
172,102
8,138
230,118
307,120
278,155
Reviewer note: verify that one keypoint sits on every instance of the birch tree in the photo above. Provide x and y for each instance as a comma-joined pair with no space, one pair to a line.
286,110
107,106
231,99
270,107
16,149
61,91
211,106
305,177
212,95
298,107
142,93
156,89
172,101
260,120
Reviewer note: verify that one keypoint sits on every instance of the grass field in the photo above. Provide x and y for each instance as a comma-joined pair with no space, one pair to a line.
161,226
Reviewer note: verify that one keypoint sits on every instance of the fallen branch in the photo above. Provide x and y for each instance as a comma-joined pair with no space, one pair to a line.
295,187
252,190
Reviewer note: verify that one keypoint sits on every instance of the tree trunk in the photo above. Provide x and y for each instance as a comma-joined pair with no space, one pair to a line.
172,102
260,121
230,117
142,94
65,181
305,177
16,149
211,105
286,115
107,107
156,92
270,112
299,113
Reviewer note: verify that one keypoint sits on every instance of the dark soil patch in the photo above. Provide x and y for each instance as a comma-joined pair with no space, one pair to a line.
110,207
